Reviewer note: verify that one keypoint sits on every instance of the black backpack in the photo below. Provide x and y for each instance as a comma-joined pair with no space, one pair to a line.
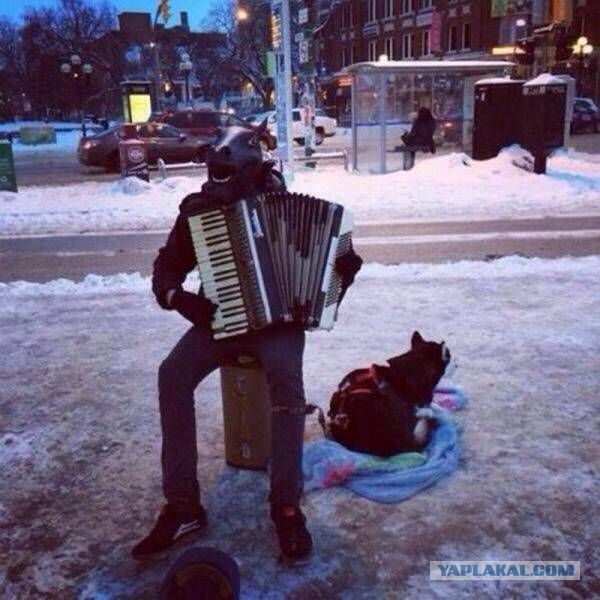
367,415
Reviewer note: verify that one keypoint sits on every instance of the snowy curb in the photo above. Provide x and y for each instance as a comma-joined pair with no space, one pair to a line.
506,267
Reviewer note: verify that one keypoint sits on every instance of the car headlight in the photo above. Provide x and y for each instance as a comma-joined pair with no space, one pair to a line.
89,144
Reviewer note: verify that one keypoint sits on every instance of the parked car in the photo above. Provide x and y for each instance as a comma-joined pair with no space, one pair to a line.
209,123
586,116
161,141
324,126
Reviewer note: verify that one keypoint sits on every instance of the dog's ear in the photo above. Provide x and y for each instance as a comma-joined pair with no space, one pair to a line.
416,339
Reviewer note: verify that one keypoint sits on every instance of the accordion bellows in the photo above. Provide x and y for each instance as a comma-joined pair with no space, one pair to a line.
271,259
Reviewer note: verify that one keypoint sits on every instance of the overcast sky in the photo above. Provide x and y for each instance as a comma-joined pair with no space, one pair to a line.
196,9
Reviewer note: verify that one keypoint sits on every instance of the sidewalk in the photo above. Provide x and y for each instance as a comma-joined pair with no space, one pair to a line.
80,437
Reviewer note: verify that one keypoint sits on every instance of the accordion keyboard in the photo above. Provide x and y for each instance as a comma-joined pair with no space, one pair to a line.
218,273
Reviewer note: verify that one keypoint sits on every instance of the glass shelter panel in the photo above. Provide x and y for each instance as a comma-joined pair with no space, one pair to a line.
367,122
448,109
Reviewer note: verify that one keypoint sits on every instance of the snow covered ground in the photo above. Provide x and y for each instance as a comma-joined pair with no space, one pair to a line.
80,437
450,187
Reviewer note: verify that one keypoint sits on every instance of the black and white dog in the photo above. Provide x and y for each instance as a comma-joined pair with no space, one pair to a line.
414,376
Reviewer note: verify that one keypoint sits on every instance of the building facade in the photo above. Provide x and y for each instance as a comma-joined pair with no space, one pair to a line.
371,30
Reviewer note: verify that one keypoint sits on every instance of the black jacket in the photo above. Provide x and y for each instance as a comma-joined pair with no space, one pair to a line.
421,134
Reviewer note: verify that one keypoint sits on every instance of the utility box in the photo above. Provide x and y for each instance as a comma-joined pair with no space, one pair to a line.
496,118
133,156
543,116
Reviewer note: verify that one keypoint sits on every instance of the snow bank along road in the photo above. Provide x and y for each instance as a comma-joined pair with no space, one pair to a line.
80,438
73,257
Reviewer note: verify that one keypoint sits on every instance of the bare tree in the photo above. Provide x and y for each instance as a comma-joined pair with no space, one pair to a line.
245,53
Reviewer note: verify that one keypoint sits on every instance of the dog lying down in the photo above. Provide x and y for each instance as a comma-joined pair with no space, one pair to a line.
384,410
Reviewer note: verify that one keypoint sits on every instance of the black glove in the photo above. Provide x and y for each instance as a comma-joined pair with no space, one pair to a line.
196,309
348,265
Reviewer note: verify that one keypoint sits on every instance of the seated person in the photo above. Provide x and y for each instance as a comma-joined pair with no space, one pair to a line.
420,136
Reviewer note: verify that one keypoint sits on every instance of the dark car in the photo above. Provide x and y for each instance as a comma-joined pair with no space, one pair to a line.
161,141
209,123
586,116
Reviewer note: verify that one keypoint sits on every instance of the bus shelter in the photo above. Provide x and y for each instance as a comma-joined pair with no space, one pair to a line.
386,96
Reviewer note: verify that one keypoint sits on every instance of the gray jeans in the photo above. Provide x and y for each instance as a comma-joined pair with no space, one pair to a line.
280,351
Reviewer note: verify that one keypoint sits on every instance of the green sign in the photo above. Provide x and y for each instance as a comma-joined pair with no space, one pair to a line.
8,179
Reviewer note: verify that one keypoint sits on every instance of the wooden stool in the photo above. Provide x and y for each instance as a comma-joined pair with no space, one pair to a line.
246,414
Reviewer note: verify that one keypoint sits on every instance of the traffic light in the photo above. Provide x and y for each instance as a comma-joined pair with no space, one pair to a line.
525,51
163,9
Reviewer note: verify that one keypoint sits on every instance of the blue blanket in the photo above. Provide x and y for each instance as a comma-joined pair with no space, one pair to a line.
327,463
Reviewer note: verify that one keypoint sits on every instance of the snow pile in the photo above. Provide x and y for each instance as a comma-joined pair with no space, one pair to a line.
80,437
449,187
130,185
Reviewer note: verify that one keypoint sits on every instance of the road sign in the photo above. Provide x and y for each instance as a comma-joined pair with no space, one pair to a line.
8,178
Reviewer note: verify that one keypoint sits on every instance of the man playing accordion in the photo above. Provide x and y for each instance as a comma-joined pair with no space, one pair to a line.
235,169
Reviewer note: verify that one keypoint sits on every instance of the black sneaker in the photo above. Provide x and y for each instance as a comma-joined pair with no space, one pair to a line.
170,527
295,541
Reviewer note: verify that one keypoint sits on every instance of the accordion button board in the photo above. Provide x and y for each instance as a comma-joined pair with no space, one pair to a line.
271,259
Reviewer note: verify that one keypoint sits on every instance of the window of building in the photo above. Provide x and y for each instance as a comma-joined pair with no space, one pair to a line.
372,50
389,8
345,57
352,55
371,10
466,36
407,45
425,4
425,43
347,17
406,6
390,48
508,30
452,38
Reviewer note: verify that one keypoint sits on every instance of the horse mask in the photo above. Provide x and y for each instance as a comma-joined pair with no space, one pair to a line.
235,163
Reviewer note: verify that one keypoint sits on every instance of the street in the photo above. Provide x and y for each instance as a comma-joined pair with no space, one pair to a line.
44,258
62,167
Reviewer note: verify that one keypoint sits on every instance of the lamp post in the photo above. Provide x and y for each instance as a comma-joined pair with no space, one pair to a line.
186,66
581,50
79,72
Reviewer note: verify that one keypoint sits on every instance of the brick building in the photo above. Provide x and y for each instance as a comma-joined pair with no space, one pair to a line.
363,30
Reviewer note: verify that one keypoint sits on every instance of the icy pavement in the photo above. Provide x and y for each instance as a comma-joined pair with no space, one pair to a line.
79,438
450,187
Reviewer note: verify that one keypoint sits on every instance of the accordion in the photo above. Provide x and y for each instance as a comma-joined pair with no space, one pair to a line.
271,259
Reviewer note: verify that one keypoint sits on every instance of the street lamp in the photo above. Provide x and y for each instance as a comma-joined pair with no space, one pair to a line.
73,69
186,66
581,50
241,14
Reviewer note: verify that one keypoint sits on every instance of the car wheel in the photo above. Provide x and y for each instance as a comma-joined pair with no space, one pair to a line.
319,136
112,163
200,157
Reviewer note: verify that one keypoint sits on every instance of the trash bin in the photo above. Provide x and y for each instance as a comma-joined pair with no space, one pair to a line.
496,122
543,114
246,414
132,154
